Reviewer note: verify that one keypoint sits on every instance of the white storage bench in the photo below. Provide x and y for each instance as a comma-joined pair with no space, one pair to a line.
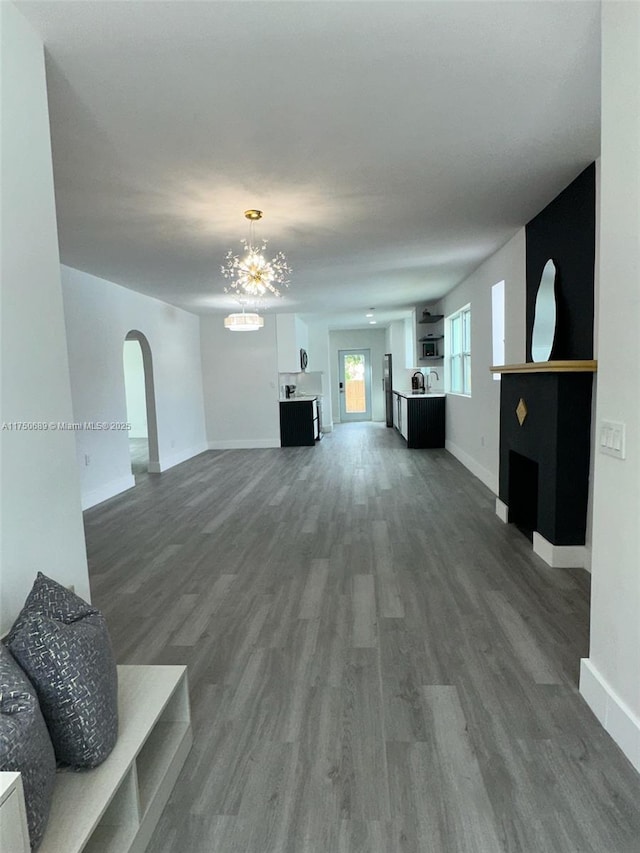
14,835
115,807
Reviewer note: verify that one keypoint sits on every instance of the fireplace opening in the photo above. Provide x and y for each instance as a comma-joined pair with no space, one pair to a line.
523,493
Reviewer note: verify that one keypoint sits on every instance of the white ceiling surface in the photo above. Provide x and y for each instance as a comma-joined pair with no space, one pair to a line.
393,146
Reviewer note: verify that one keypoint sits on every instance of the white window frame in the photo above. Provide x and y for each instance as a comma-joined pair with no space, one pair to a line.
498,326
458,361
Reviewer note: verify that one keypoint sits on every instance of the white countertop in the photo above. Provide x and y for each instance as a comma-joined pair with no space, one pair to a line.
417,395
299,398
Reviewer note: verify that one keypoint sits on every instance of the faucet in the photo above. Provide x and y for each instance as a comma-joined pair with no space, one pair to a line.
435,372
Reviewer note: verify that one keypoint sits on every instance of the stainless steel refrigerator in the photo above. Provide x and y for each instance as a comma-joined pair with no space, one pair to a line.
387,382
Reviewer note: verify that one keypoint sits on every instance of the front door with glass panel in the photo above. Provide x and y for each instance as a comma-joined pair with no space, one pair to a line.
355,384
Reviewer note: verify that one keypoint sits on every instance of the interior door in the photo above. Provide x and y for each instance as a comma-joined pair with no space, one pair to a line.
355,384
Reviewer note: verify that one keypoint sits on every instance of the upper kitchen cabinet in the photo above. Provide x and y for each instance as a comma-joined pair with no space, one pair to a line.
430,337
410,341
292,336
401,343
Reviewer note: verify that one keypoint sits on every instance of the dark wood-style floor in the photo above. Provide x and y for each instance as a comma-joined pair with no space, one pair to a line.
377,663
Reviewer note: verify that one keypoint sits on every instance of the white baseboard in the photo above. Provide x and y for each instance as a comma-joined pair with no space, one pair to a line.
615,715
502,511
556,556
560,556
171,460
106,491
244,444
116,487
483,474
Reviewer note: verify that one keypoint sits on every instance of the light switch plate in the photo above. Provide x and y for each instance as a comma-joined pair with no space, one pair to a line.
612,439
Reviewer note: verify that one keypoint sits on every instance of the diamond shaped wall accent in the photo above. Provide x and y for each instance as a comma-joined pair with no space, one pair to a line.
521,411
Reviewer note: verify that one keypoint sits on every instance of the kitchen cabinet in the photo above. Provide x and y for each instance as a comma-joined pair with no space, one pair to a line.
410,341
300,424
400,414
398,411
420,419
401,343
404,406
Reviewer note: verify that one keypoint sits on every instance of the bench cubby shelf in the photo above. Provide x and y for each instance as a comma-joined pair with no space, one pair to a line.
116,807
14,836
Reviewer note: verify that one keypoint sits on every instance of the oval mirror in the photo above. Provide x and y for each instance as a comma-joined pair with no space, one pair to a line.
544,321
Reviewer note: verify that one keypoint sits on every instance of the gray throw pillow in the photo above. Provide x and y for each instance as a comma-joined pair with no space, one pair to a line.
25,745
63,645
49,598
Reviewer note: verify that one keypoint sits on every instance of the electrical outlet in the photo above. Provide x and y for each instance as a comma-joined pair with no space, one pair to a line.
612,439
87,459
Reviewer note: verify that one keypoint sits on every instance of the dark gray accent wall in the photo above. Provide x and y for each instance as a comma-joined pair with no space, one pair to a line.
556,435
566,232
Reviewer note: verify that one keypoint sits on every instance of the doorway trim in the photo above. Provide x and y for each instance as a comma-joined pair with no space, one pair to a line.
150,398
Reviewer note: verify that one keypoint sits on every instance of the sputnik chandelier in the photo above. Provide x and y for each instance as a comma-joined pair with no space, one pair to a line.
253,276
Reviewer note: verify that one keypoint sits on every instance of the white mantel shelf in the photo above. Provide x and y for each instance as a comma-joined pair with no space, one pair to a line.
575,366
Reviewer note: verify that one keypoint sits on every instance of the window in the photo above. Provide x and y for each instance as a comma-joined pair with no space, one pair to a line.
459,359
497,325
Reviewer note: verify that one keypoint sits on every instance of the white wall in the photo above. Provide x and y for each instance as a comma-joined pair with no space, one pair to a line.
610,677
473,423
292,335
134,389
40,495
98,316
319,359
373,340
240,380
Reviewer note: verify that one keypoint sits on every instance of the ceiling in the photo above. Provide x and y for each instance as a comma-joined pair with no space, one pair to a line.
392,146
